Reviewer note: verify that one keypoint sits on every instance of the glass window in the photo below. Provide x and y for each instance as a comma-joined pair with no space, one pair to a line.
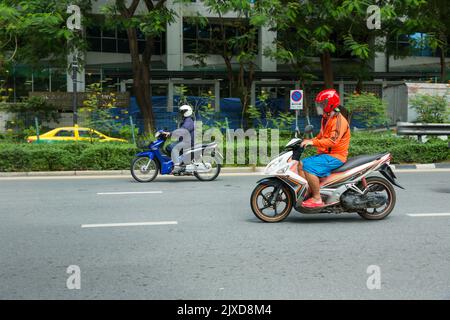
204,46
123,46
64,133
156,47
122,34
109,33
94,44
216,31
141,45
140,35
84,133
204,32
230,32
88,134
189,31
41,80
189,46
93,31
59,80
109,45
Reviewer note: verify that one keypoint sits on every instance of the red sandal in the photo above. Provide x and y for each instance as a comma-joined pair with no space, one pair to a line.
311,203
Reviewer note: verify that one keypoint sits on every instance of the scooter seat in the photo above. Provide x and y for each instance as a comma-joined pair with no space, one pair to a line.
358,161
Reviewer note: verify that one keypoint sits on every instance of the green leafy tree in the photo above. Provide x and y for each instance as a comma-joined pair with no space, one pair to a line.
35,30
326,27
151,21
96,109
241,46
432,18
367,108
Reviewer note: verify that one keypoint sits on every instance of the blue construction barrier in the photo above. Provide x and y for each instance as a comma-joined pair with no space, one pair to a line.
230,109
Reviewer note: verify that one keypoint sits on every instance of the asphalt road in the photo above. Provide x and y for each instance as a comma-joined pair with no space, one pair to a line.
217,249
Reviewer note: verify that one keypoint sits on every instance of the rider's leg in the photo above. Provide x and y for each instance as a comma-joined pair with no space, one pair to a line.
314,186
301,173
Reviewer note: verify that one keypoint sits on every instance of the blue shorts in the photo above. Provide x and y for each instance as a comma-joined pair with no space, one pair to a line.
321,165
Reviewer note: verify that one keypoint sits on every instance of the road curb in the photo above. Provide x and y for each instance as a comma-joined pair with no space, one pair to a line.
231,170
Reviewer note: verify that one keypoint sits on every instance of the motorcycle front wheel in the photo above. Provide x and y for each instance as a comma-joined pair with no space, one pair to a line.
144,169
268,208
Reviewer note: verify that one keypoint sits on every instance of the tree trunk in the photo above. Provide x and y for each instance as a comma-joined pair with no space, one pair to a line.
230,75
141,81
327,69
142,91
443,57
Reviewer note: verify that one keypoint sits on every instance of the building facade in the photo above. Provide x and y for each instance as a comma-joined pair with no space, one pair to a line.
108,61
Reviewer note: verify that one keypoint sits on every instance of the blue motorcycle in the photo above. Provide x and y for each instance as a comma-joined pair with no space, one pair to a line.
204,161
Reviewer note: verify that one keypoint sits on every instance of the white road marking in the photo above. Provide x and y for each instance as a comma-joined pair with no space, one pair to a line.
131,192
132,224
429,215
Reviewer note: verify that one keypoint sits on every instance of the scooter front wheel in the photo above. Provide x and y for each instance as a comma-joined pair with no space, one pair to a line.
144,169
271,202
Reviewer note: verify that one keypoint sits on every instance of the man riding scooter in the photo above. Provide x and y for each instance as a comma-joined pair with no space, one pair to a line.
187,123
332,146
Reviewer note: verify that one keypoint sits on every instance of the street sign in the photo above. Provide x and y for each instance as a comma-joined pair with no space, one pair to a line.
296,99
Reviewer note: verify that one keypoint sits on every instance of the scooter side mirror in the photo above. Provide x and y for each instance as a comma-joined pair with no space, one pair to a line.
309,128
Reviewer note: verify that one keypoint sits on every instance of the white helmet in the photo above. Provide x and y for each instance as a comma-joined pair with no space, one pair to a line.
186,110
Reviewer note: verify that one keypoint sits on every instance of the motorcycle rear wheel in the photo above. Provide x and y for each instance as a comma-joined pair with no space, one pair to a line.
211,175
259,207
379,184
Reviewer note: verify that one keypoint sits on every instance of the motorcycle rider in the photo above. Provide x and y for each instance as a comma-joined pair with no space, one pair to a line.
332,145
187,123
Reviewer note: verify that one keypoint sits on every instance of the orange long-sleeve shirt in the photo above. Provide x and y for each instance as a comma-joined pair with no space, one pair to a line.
334,137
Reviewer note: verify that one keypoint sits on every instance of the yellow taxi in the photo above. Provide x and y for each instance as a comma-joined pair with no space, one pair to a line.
73,134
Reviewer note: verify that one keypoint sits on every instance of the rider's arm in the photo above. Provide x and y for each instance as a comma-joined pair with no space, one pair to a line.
331,137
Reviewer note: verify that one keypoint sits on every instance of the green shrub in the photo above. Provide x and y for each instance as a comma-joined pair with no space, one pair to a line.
111,156
65,156
431,108
367,108
106,157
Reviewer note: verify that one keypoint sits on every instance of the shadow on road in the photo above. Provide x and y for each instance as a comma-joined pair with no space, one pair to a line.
322,218
442,190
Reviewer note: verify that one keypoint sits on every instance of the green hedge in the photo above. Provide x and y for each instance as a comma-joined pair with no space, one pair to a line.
65,156
112,156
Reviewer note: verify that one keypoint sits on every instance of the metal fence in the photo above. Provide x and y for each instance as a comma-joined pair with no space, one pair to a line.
228,111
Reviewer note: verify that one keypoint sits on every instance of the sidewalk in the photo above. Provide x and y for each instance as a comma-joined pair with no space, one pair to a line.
225,170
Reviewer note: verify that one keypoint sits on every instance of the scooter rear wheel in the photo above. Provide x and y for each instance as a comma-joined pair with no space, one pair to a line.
379,185
262,199
144,169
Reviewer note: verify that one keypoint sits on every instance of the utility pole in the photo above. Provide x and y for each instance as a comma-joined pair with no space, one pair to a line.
74,24
75,89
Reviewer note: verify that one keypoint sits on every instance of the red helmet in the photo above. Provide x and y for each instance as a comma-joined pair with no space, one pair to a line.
327,100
